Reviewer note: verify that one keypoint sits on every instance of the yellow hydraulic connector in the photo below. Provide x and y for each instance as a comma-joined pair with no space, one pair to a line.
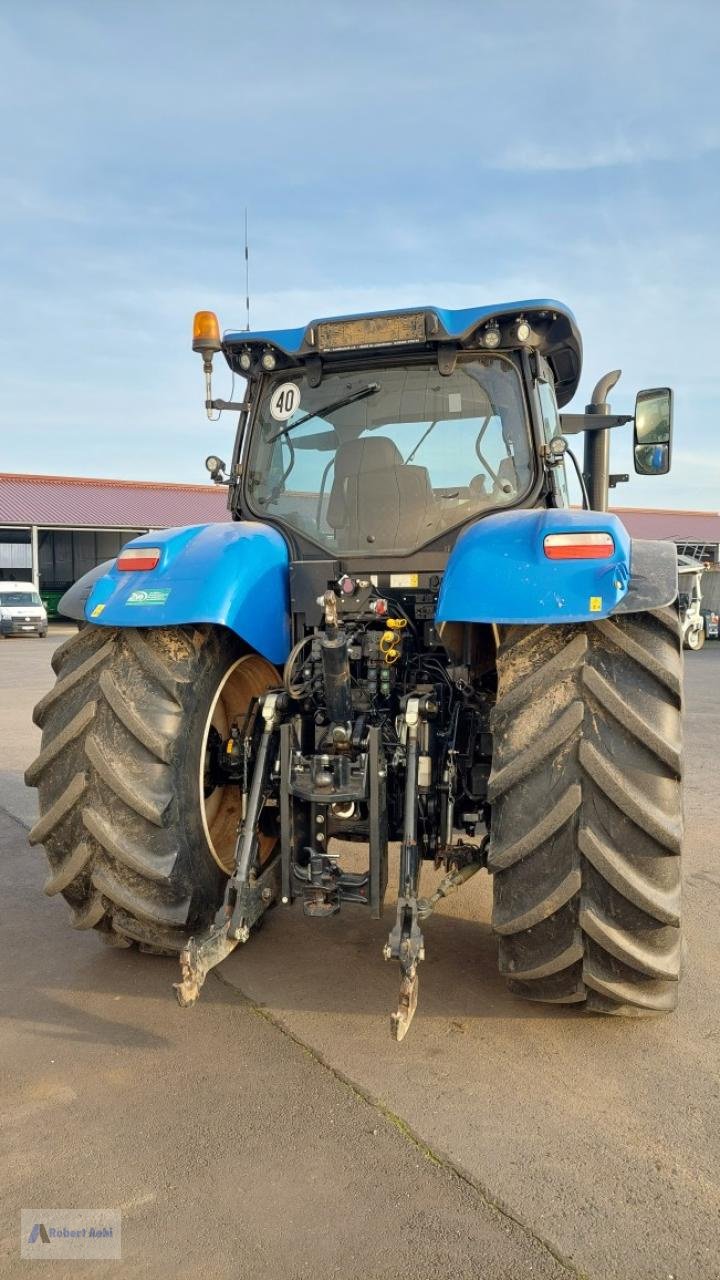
391,640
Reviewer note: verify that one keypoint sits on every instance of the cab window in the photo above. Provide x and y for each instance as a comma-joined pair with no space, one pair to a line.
386,459
552,427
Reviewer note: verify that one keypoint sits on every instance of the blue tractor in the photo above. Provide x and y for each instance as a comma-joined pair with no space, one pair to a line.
405,634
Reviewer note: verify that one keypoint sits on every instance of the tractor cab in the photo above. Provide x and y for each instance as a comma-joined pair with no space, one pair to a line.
382,435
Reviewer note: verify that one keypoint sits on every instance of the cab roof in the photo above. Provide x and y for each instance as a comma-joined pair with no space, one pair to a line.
554,334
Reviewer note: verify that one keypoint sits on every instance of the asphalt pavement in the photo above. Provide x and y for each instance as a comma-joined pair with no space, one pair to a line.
276,1129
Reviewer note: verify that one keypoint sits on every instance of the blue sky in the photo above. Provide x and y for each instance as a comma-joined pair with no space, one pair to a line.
390,154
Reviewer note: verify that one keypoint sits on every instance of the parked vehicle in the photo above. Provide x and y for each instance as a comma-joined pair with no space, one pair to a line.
712,624
690,573
50,599
22,612
406,634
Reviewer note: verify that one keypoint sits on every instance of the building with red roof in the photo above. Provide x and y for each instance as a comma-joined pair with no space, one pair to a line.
695,533
54,528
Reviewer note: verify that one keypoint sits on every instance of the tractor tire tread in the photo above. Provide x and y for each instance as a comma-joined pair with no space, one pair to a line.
586,827
110,775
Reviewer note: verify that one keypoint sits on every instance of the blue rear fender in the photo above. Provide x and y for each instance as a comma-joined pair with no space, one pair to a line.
498,570
235,575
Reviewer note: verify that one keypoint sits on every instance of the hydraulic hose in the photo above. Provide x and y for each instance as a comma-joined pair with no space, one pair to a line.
295,691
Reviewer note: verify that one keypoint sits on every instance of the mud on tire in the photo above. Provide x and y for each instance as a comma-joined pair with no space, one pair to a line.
118,778
587,812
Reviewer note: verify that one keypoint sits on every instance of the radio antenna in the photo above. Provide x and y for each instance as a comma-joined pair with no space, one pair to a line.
247,274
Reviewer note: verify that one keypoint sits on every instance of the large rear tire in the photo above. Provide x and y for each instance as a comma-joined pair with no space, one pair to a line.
139,843
587,812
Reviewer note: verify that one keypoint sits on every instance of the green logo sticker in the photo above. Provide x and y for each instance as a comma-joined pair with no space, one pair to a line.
158,596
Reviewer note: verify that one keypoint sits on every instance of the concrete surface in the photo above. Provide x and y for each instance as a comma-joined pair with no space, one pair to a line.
598,1137
229,1150
25,675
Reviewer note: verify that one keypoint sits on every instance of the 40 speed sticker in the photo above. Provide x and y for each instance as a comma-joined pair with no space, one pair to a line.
157,596
284,400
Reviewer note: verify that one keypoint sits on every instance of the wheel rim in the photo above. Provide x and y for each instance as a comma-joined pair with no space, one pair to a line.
250,676
694,639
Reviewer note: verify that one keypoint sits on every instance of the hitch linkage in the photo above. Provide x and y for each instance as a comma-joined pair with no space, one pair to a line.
406,942
249,892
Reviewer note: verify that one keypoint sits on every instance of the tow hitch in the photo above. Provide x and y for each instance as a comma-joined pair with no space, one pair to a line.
406,942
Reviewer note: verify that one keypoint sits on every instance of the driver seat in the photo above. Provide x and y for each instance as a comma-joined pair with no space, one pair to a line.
376,497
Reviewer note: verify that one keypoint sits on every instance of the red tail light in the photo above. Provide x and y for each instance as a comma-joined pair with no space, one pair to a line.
579,546
139,558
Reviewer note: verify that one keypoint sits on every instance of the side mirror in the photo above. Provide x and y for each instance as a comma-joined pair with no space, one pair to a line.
653,431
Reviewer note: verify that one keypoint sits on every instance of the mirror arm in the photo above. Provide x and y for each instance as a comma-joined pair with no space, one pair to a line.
573,423
241,406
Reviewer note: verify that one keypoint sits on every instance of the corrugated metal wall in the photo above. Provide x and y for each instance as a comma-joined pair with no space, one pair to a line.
15,554
710,587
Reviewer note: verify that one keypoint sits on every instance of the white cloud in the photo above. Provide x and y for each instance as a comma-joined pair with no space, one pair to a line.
605,154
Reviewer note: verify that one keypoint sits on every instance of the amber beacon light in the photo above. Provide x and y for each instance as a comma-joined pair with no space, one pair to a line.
206,340
206,333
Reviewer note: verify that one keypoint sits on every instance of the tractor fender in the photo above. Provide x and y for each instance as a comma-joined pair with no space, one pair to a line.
235,575
653,576
498,571
72,603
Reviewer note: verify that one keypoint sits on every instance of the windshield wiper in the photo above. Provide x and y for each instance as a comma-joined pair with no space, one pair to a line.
370,390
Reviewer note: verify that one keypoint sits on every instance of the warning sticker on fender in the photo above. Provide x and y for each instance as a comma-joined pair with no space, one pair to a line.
157,596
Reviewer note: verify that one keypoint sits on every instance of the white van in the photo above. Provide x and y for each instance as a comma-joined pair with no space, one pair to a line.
22,612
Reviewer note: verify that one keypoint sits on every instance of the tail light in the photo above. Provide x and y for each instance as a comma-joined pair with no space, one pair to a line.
578,546
139,558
